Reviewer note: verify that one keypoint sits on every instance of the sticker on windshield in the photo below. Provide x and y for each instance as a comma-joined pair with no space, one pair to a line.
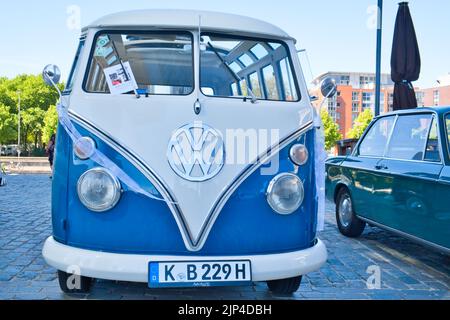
120,79
103,51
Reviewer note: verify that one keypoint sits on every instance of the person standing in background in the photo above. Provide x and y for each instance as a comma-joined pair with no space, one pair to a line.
51,151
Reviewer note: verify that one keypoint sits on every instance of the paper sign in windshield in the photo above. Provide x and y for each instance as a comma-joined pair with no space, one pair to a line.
120,79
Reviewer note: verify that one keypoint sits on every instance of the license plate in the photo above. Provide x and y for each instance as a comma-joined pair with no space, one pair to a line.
199,274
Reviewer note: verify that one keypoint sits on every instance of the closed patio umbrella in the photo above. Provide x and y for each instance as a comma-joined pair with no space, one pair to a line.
405,60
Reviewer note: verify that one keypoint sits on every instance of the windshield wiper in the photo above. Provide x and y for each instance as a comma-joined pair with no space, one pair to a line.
236,77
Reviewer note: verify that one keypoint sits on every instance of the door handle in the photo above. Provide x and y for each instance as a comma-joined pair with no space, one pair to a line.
381,167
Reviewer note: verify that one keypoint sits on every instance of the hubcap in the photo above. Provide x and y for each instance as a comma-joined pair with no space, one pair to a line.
345,211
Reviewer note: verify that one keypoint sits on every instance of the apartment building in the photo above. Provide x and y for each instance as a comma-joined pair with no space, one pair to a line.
356,93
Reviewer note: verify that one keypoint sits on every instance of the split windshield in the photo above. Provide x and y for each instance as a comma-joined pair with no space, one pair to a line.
162,63
239,67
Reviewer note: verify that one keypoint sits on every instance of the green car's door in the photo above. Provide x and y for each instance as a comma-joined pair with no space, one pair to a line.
411,173
362,168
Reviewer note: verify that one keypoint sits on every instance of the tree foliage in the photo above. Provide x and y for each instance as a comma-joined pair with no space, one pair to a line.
50,123
332,134
35,100
8,124
361,124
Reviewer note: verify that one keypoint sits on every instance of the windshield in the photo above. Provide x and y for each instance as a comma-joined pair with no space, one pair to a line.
143,62
242,67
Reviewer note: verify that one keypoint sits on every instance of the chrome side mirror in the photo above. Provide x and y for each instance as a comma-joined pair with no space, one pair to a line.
328,88
51,75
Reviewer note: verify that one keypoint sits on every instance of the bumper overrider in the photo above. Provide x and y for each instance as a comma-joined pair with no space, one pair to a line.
135,268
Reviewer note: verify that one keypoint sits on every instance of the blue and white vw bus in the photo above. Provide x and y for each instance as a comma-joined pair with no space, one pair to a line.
186,156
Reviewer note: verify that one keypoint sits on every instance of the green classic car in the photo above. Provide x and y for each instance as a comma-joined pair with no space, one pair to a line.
398,178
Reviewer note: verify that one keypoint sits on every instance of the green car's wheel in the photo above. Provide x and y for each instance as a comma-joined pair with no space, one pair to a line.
348,223
84,283
285,286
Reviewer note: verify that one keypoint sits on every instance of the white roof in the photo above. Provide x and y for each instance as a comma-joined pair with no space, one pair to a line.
188,19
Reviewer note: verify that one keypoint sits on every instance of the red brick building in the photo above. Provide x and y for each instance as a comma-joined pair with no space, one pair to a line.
356,93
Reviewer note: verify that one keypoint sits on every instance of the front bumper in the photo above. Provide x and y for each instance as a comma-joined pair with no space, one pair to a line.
134,268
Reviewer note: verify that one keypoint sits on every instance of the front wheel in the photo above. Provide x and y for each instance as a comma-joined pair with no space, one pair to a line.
285,286
73,284
348,223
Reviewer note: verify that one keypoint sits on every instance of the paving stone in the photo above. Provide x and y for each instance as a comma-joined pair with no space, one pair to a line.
408,270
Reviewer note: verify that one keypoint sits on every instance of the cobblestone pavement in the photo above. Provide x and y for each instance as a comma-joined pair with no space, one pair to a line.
408,270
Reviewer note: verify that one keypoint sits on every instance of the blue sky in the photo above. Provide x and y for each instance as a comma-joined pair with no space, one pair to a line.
337,34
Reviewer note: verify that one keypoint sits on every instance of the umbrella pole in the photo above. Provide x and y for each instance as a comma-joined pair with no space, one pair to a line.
378,71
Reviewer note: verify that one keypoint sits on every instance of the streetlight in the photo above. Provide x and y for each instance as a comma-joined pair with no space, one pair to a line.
18,135
378,58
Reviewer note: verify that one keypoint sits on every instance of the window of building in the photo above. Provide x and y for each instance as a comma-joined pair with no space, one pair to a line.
355,107
355,96
345,80
368,100
436,98
420,96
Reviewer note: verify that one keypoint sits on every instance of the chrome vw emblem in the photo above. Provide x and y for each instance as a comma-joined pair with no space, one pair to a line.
196,152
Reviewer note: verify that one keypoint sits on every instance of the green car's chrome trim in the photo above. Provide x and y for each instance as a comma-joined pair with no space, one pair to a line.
407,235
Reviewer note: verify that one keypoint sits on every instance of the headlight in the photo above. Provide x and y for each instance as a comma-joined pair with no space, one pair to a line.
84,148
299,154
99,190
285,193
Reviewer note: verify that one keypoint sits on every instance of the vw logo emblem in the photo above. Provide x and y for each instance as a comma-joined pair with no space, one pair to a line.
196,152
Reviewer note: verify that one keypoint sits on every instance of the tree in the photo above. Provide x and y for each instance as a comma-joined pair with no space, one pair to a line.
50,123
360,125
35,97
32,123
332,134
8,125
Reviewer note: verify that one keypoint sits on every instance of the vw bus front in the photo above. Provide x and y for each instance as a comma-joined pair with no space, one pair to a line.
186,156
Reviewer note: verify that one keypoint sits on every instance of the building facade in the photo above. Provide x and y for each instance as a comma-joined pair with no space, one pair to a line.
356,93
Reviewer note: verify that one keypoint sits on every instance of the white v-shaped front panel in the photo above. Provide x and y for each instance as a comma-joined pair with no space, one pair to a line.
146,127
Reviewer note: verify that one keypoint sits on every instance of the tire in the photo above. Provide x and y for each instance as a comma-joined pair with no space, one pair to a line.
348,223
85,284
285,286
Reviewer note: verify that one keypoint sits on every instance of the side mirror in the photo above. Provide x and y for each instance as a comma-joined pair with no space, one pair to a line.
328,87
51,75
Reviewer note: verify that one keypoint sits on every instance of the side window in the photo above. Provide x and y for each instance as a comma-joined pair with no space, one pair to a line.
255,85
432,152
74,69
270,83
375,142
289,91
410,137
